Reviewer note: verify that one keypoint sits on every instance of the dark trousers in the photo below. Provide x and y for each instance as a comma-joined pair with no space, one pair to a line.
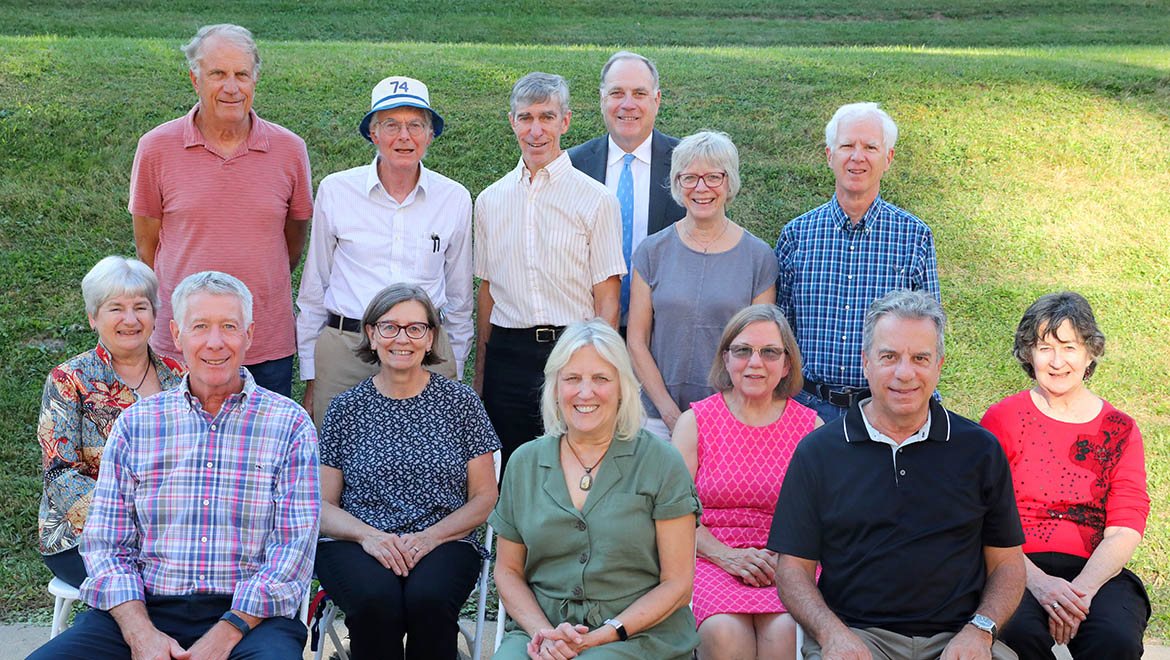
513,374
1114,628
381,607
95,634
67,566
275,375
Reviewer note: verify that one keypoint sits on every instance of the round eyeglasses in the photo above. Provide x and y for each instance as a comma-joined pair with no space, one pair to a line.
389,330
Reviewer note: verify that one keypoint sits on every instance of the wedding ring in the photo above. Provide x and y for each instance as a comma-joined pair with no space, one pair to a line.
1056,606
415,549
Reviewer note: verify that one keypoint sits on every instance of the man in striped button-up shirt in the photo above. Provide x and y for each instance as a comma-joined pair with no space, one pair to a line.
203,526
548,251
838,258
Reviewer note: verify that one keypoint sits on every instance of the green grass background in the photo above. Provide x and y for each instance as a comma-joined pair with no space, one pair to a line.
1034,141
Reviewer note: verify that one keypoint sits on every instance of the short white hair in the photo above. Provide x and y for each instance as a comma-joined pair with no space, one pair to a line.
608,343
855,111
115,276
234,34
214,282
714,147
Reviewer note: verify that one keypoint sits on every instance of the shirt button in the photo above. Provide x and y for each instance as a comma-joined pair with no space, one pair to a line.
584,557
902,472
843,338
202,577
204,539
213,427
851,247
206,502
846,306
577,592
208,463
581,525
842,368
848,277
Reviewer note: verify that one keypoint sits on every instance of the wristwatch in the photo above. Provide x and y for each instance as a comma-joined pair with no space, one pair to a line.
235,619
986,625
621,630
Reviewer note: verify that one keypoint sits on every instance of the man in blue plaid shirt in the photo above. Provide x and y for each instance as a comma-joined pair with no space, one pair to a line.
839,257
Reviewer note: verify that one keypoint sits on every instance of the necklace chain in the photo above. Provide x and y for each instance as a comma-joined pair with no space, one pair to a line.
145,373
726,223
586,481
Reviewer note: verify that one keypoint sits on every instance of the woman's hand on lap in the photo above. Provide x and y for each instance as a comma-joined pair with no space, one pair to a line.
416,546
386,549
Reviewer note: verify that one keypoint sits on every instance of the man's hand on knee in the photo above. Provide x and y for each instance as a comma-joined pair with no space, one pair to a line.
845,645
970,643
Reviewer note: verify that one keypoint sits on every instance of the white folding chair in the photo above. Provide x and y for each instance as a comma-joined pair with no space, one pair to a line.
65,595
328,616
474,638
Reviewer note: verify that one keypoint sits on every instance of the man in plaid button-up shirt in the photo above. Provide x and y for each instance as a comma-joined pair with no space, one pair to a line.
203,526
838,258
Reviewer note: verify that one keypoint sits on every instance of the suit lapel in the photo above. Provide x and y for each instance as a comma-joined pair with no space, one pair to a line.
659,174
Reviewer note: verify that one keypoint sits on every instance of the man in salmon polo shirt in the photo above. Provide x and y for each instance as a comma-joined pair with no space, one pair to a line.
221,189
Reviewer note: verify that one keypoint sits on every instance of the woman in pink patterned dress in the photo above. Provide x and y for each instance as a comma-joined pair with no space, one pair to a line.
737,444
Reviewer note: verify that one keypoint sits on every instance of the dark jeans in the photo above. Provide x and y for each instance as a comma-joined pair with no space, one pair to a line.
1114,628
275,375
381,607
67,566
95,634
512,377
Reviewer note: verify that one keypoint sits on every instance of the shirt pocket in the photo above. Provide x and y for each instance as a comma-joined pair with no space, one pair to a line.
429,249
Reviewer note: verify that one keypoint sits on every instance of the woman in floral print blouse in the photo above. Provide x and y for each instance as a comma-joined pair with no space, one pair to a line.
86,394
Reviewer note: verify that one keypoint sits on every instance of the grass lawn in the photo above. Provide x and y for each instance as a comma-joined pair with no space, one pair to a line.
1039,168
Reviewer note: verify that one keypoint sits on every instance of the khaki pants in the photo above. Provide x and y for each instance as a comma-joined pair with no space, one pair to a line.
886,645
338,368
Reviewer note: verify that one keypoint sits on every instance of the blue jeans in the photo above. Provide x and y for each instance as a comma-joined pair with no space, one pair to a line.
95,634
825,410
275,375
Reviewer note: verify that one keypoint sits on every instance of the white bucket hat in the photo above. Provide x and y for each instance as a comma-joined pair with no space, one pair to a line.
395,92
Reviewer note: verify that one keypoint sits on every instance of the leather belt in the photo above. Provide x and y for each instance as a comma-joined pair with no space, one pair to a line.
343,324
840,396
543,334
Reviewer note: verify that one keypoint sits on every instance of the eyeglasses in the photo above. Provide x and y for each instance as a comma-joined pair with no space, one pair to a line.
767,353
393,127
390,330
712,179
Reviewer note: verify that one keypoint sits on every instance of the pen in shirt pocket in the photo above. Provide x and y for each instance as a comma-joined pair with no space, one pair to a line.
434,242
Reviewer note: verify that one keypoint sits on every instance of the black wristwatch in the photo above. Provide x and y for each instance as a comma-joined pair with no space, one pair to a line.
986,625
621,630
235,619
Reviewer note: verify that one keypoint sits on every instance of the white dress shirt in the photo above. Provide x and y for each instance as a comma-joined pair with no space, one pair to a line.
543,244
640,169
363,240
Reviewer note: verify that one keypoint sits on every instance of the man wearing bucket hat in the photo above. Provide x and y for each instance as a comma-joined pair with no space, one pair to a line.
222,189
548,252
391,221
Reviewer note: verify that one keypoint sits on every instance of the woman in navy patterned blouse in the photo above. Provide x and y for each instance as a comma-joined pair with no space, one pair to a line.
406,478
85,394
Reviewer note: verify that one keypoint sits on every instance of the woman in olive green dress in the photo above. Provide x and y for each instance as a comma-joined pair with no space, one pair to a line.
596,519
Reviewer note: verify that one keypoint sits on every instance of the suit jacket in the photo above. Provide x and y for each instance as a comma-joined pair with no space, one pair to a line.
590,157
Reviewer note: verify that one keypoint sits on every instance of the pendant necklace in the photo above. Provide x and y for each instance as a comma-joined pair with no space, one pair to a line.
146,373
586,479
726,223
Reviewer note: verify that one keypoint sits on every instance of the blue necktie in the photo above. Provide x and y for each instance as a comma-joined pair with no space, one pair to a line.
625,195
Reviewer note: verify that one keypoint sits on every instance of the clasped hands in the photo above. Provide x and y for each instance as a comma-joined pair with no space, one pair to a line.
398,552
754,567
560,643
1066,603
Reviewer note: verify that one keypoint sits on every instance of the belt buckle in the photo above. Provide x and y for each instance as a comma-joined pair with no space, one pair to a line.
550,335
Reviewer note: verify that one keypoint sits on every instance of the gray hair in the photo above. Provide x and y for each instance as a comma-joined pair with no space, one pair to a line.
716,148
627,55
1046,315
609,344
855,111
238,36
790,384
213,282
904,304
384,301
538,87
115,276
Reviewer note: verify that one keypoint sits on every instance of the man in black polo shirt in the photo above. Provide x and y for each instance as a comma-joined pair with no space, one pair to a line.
907,507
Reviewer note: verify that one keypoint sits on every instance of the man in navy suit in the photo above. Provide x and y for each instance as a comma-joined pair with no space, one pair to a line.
633,160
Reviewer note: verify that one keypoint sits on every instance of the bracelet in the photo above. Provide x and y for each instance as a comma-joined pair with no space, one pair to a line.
621,630
236,621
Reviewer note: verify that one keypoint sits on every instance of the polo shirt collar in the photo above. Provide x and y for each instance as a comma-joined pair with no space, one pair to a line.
374,183
641,152
193,137
871,217
939,422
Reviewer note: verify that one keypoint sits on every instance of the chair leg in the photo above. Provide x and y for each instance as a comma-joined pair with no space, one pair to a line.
61,608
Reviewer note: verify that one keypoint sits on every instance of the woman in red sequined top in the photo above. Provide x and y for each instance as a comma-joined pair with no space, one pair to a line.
1079,474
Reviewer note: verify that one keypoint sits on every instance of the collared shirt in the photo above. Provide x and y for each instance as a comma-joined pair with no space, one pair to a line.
877,436
544,241
225,212
188,503
363,240
830,272
640,171
82,398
